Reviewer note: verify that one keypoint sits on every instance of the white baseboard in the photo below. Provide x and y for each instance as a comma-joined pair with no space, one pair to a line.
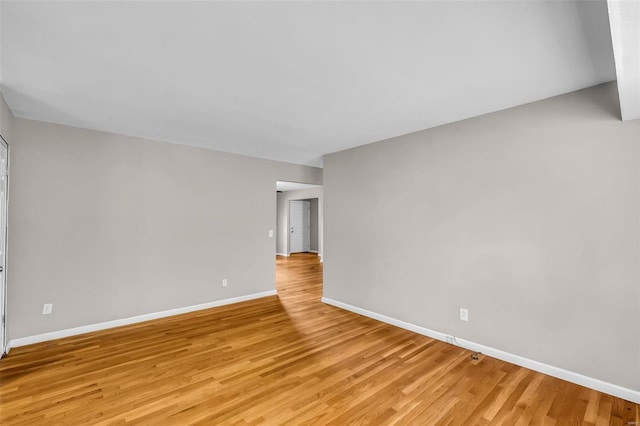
570,376
313,251
22,341
282,254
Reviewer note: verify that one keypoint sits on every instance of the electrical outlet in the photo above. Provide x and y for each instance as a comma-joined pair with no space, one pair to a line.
464,314
47,308
270,233
224,282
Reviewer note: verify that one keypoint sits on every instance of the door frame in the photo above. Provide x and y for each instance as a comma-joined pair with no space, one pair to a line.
307,225
3,284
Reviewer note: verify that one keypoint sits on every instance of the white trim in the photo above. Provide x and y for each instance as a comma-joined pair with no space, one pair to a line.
314,251
282,254
388,320
22,341
570,376
4,345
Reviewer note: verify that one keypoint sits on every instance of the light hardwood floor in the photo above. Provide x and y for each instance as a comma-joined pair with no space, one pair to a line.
286,359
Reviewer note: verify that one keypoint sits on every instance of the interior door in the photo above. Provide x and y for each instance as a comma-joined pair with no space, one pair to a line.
4,178
299,223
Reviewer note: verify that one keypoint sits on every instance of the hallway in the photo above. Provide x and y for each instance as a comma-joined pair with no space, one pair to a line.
299,278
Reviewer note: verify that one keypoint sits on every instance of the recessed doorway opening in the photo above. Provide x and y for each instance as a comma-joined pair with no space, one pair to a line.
299,224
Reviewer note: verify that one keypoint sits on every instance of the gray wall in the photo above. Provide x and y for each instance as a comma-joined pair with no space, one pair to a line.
313,226
282,243
281,218
106,226
528,217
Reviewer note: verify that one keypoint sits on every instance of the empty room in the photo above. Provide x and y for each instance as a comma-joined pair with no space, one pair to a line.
320,212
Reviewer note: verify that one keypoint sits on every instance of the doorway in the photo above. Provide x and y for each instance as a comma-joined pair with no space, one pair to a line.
287,192
4,187
299,226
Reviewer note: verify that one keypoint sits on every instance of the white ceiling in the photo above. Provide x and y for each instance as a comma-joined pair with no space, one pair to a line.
282,185
293,80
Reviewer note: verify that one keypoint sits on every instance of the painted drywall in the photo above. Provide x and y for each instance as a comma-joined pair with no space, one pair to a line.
280,218
108,227
293,79
282,243
624,23
528,217
314,236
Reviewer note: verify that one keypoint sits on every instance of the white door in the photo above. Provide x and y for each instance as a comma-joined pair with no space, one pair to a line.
4,177
299,224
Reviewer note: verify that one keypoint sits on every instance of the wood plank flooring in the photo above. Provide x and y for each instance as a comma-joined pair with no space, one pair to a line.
286,359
